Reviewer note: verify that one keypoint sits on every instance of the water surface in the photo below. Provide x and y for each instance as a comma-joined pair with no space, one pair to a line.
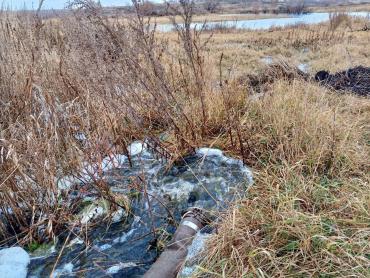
128,247
263,24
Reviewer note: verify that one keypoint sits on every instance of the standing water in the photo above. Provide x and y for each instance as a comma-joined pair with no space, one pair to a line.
263,24
129,246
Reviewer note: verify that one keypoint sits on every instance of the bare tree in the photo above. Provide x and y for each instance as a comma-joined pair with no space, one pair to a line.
211,5
148,8
296,7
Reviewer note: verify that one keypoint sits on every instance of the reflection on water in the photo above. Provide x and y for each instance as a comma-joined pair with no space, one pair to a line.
262,24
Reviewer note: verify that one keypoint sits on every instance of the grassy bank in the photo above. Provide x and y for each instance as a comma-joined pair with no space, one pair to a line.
333,46
82,88
219,17
308,211
236,14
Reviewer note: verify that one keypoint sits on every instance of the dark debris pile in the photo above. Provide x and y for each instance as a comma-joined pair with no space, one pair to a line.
356,80
258,81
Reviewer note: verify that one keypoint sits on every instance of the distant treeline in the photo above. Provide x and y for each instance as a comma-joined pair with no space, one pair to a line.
151,8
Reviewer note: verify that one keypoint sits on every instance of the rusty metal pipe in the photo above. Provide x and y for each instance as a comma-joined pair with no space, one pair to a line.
169,263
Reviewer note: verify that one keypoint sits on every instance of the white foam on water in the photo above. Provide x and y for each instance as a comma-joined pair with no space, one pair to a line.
74,241
124,236
118,215
92,172
178,190
98,209
136,148
92,214
14,262
104,247
136,221
209,152
65,270
194,250
67,182
154,170
187,271
231,161
197,245
116,268
113,161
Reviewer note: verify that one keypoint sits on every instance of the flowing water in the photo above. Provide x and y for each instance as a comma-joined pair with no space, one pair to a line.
127,248
263,24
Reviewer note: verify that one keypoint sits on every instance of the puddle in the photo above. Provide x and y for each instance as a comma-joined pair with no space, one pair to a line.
207,179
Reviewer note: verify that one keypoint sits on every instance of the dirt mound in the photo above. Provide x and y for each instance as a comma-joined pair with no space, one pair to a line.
258,81
356,80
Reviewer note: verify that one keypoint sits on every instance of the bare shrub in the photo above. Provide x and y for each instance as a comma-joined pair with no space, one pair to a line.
148,8
292,7
337,18
110,82
211,6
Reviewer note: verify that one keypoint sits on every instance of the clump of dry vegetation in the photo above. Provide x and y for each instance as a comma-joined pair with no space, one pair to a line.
82,87
336,19
308,211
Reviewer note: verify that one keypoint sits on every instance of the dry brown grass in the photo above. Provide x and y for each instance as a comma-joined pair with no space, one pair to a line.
219,17
317,45
308,212
42,112
115,82
344,8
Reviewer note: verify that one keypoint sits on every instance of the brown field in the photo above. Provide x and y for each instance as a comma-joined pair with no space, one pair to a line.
216,17
343,8
320,46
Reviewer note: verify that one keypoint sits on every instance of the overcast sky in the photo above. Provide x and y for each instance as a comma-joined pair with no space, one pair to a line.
56,4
